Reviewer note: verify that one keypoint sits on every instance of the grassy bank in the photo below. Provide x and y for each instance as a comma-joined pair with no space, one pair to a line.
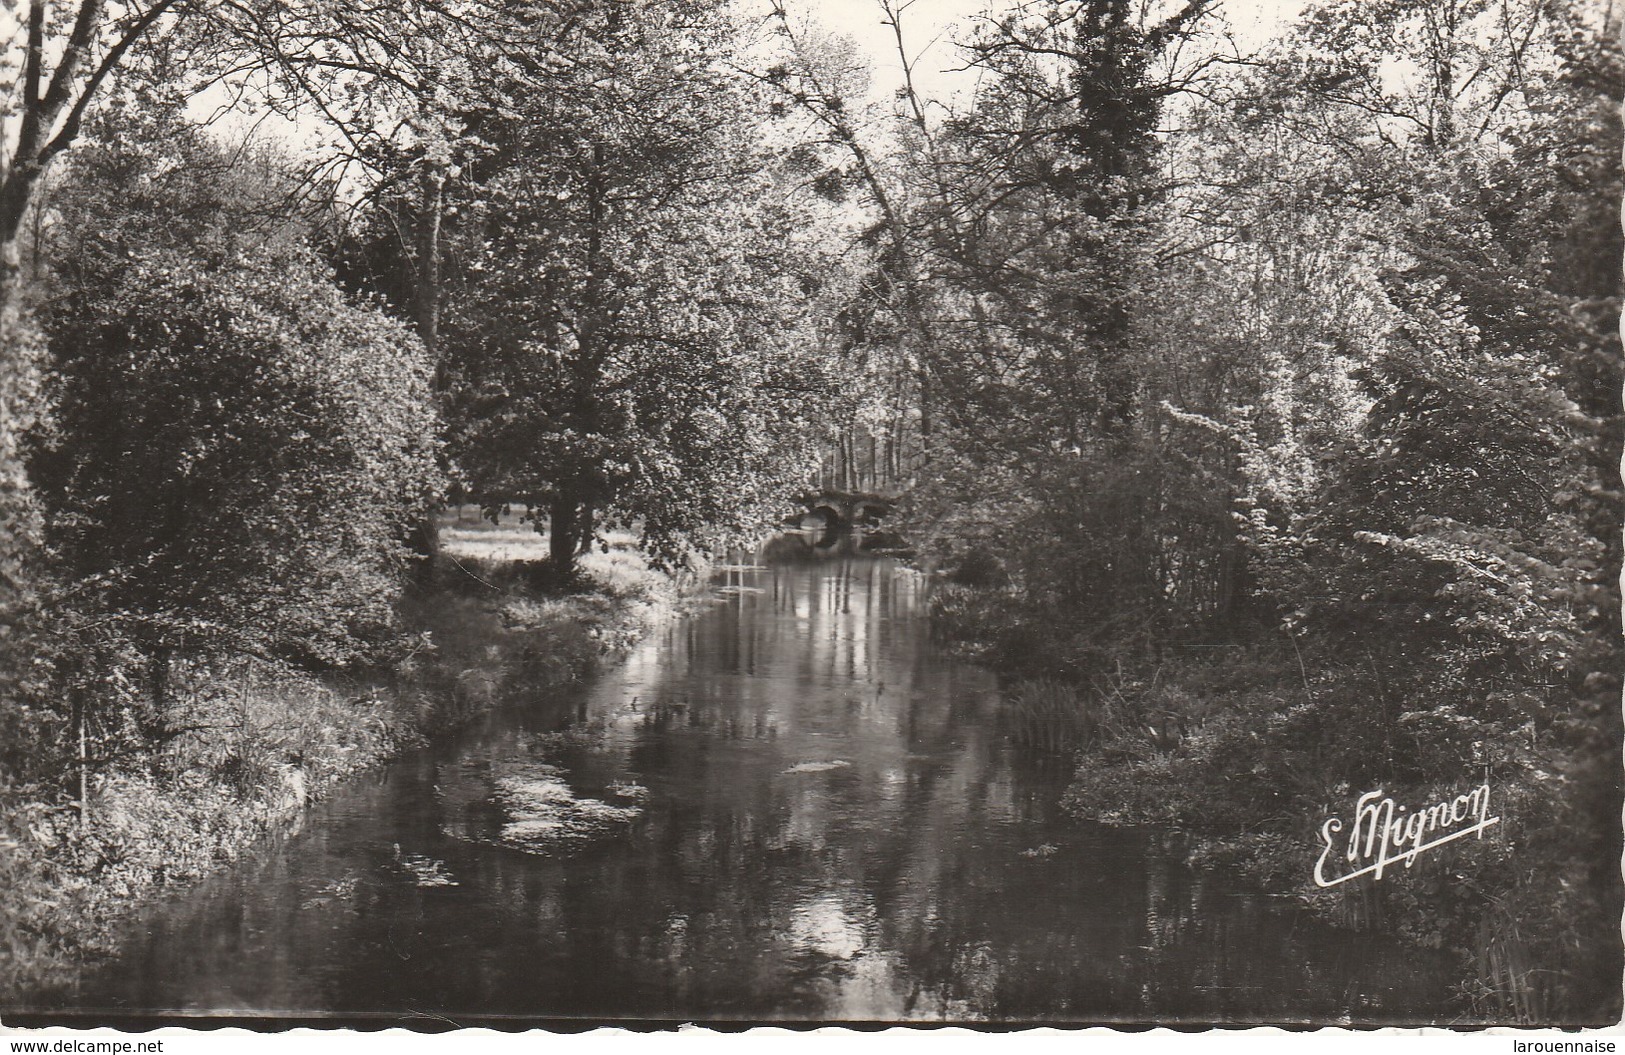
248,744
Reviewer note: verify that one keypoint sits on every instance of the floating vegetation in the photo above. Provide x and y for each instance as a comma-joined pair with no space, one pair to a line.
629,791
528,806
1041,850
425,871
333,891
544,814
818,767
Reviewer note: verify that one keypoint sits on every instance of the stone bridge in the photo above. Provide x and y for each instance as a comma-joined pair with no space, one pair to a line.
844,509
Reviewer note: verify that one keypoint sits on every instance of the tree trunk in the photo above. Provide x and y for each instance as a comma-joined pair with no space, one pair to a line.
563,535
586,521
424,537
44,101
428,271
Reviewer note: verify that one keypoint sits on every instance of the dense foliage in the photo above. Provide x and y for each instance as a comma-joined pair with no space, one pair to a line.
627,297
237,448
1280,439
224,456
22,634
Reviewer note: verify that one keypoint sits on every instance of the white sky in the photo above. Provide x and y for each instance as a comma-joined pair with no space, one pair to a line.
930,30
930,27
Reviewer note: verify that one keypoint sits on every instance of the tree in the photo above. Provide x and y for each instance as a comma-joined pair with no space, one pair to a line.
238,447
1426,377
1042,217
890,319
622,341
377,74
380,75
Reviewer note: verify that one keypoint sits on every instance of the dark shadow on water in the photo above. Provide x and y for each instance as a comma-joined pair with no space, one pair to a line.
819,543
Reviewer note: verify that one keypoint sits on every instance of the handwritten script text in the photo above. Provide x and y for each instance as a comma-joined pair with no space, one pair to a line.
1385,834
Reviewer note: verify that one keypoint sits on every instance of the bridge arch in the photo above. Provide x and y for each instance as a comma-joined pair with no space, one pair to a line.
868,511
842,511
832,514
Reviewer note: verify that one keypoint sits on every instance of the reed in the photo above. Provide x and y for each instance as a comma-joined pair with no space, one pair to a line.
1051,716
1506,985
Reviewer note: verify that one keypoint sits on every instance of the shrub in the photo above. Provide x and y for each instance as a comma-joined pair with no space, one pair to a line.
240,450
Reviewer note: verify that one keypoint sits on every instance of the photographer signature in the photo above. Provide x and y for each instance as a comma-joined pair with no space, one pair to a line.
1385,834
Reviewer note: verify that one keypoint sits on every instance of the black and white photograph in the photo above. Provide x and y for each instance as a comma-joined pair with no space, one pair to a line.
559,514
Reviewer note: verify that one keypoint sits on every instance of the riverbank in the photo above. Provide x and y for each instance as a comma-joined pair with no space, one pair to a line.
1248,747
1266,752
253,742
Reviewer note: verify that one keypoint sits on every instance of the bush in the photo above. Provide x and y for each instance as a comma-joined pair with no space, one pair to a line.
1529,912
26,754
240,451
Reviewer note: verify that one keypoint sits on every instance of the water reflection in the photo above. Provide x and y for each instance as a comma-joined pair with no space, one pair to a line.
789,806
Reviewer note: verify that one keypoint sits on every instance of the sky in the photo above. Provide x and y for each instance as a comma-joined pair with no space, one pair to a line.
930,27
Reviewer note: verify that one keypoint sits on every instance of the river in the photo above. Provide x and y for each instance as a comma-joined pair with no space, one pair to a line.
789,806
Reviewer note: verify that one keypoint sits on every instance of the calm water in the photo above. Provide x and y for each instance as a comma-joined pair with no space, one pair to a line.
786,807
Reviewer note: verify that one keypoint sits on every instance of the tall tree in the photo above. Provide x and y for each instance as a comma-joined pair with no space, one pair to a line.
367,71
380,75
631,290
1396,204
1041,225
